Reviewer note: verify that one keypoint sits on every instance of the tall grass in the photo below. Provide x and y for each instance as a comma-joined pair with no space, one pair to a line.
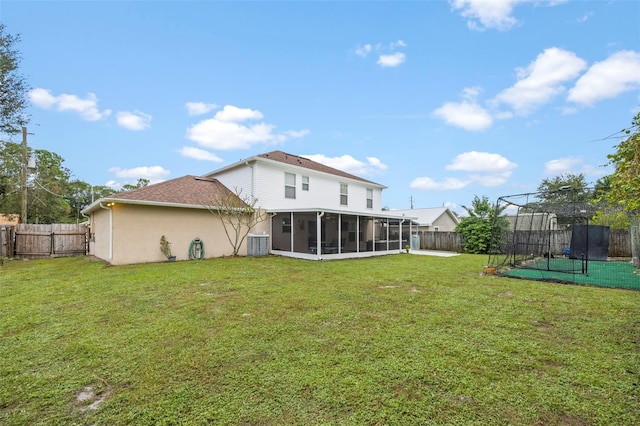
392,340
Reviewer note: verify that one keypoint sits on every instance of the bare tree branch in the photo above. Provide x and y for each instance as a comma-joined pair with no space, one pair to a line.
238,214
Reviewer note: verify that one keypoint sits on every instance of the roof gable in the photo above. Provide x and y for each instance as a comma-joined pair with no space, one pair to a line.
296,160
428,216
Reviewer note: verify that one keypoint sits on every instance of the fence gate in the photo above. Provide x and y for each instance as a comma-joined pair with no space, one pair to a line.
51,240
7,240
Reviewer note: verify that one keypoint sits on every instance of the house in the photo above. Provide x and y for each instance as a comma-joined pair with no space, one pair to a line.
436,219
313,212
316,211
126,227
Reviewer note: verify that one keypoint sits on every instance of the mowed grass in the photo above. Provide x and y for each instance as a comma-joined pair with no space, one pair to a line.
394,340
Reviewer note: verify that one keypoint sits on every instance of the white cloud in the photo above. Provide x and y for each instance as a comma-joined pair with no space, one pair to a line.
491,179
349,164
427,183
199,154
42,98
392,60
153,173
363,51
541,80
561,165
232,113
483,14
135,121
376,163
199,108
225,131
607,79
573,165
466,115
294,134
87,108
471,93
114,185
474,161
388,56
585,17
485,169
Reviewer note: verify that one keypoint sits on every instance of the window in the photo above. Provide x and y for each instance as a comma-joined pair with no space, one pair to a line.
369,198
286,225
289,185
344,194
305,183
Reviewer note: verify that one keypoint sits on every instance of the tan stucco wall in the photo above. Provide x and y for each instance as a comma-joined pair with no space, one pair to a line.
99,239
137,231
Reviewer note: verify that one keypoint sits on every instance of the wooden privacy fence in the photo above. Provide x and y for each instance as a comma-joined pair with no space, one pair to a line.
445,241
51,240
7,234
554,242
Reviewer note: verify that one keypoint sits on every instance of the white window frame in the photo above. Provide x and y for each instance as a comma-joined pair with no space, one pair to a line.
289,187
369,198
305,183
344,194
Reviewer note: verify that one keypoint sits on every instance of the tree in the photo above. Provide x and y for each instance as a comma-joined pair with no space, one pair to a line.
567,187
10,168
13,86
607,214
563,195
46,189
51,196
80,194
625,182
238,214
141,183
482,229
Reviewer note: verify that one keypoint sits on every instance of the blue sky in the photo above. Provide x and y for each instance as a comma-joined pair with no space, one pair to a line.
437,100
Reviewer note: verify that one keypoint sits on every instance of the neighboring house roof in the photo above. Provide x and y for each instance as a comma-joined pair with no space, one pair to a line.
427,216
185,191
9,219
298,161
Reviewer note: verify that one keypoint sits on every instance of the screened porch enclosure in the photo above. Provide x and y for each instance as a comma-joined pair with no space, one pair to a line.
325,233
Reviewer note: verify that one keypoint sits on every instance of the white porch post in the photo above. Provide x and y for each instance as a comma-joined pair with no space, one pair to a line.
292,229
319,233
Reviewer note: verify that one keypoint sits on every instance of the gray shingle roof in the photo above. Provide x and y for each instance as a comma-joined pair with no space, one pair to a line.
187,190
296,160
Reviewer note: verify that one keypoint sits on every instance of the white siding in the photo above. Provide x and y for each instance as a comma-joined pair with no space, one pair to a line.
240,177
324,190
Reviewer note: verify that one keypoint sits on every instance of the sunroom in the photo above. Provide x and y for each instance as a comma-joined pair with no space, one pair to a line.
327,234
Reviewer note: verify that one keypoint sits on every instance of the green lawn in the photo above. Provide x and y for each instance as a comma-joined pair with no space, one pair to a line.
394,340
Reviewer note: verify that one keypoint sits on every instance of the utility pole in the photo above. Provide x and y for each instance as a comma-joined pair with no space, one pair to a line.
23,177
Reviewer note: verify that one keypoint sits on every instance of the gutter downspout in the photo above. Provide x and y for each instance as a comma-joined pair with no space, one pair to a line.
253,177
110,231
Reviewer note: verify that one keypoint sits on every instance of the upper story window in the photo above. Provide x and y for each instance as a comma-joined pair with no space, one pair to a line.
369,198
289,185
305,183
344,194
